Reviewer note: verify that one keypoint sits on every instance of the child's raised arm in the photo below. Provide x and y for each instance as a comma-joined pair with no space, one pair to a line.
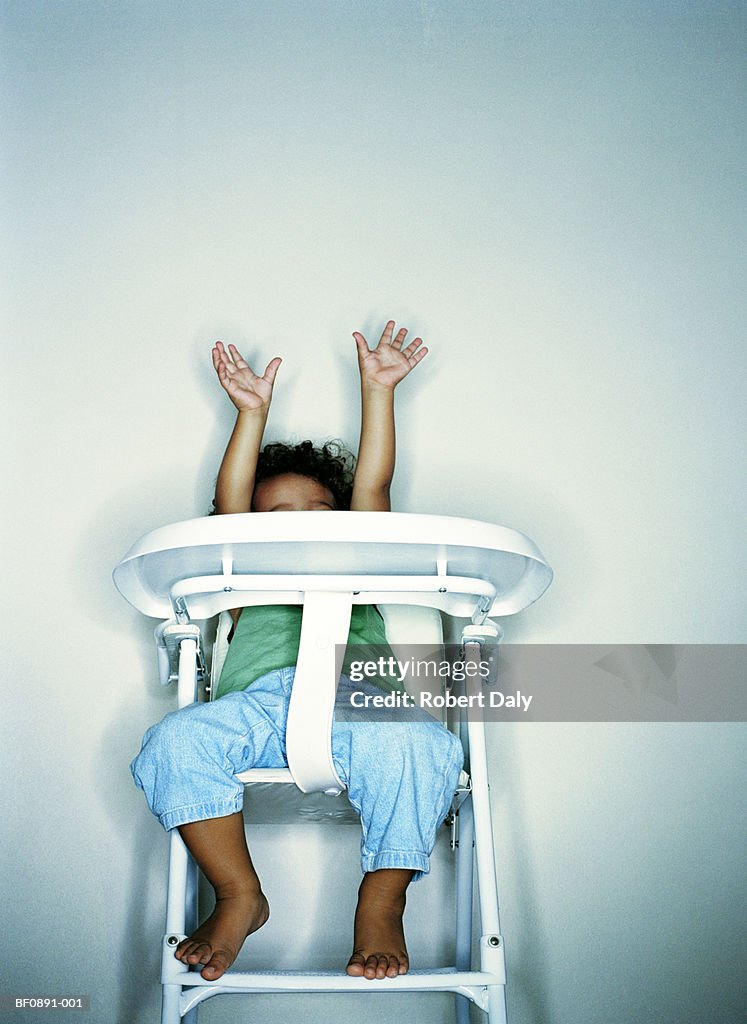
381,369
252,396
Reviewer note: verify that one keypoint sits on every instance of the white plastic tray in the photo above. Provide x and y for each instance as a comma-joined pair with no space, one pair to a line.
202,566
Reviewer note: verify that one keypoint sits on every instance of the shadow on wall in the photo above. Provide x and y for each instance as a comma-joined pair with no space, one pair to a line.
134,698
528,949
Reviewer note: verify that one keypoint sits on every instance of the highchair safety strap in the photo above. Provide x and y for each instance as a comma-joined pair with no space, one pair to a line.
324,632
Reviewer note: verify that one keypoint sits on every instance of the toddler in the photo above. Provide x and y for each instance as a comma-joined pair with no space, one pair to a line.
400,777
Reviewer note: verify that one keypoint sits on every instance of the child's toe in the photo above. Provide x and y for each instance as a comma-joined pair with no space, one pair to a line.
393,970
216,966
356,965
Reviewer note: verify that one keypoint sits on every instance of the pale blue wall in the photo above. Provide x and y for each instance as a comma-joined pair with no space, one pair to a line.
552,195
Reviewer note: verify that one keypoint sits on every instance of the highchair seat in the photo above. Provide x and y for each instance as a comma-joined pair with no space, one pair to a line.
405,625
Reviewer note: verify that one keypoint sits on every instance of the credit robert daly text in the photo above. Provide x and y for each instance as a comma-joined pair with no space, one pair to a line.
437,701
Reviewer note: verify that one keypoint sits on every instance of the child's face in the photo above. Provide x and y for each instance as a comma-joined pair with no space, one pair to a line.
291,492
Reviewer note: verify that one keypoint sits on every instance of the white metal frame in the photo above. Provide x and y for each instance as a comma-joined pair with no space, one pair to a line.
463,567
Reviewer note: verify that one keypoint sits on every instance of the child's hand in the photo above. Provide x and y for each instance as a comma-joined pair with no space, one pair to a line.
386,365
247,391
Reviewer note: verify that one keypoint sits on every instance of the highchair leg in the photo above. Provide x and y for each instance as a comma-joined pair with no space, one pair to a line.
176,900
491,942
464,883
181,898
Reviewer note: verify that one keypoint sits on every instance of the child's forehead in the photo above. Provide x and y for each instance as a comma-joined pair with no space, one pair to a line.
291,491
292,481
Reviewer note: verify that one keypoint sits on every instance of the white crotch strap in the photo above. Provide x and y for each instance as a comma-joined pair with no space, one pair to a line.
324,631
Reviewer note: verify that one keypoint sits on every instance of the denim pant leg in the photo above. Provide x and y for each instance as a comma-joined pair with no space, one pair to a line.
401,777
187,762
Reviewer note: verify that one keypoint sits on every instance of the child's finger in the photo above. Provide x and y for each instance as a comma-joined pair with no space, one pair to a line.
386,337
417,356
224,365
272,368
219,354
412,346
238,358
361,343
398,341
224,376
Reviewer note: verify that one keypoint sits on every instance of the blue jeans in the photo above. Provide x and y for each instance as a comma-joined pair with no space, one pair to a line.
400,776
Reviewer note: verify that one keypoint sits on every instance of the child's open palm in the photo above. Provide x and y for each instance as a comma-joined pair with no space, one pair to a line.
246,390
389,362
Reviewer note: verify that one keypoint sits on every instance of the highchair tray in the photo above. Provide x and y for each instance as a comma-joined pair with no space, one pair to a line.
202,566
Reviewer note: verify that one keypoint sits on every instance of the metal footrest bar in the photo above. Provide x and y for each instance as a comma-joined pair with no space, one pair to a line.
474,985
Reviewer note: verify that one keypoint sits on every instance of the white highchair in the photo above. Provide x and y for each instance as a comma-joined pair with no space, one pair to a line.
434,564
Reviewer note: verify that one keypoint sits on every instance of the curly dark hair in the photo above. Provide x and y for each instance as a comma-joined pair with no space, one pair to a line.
330,464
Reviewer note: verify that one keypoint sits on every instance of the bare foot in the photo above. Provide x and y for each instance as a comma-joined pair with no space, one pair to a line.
379,944
217,941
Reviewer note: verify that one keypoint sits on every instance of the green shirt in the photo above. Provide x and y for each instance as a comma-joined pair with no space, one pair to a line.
267,637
